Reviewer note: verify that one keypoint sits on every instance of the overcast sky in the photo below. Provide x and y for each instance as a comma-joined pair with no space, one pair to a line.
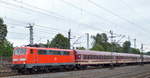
125,17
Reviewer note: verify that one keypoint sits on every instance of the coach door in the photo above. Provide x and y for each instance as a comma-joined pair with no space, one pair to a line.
33,54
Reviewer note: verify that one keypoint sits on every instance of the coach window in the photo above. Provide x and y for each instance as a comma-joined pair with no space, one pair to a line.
96,57
92,56
42,52
99,57
84,56
108,57
104,57
89,56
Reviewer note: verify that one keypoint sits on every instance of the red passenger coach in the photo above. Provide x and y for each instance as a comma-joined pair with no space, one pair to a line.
32,57
87,57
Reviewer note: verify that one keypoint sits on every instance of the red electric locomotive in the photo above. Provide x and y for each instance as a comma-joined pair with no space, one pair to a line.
31,58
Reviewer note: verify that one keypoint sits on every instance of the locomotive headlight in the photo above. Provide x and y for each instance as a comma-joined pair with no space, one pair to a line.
23,59
15,59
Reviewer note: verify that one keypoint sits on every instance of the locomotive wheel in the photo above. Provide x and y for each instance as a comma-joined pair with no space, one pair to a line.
69,67
80,67
34,70
24,71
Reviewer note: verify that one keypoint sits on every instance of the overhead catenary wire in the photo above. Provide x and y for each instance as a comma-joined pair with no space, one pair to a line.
89,26
39,29
67,3
12,8
123,18
12,26
29,9
20,23
56,29
58,17
74,6
130,7
88,12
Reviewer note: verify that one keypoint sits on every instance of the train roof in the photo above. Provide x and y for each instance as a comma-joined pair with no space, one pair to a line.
45,48
89,52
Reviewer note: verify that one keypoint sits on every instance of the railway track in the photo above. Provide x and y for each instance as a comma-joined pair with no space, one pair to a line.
14,73
120,74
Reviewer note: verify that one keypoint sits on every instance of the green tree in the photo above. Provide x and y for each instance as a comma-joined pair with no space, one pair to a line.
101,43
107,46
3,31
98,48
104,38
100,38
116,47
97,39
6,48
147,53
59,41
135,51
126,47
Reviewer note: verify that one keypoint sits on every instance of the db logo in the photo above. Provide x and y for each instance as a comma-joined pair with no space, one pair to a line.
55,59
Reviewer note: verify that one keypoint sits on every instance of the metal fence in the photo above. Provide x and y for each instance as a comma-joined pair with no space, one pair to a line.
5,60
5,64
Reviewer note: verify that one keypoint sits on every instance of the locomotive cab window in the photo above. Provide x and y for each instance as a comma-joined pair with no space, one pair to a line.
19,51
